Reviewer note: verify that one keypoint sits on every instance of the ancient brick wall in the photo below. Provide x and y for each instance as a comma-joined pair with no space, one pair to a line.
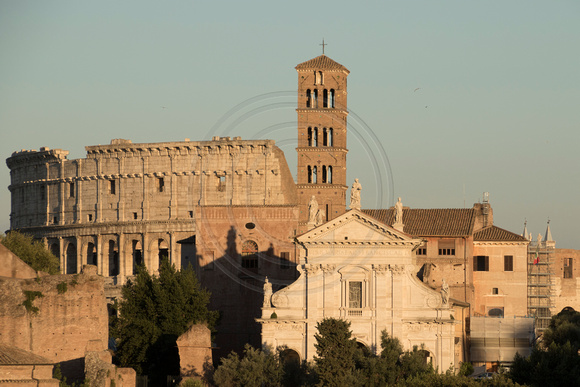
65,313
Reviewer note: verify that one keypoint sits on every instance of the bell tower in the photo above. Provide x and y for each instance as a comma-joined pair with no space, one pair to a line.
321,147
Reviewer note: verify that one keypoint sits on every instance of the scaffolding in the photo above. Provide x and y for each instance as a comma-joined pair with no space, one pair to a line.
540,292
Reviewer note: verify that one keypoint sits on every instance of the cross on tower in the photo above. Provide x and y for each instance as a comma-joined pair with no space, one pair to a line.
323,44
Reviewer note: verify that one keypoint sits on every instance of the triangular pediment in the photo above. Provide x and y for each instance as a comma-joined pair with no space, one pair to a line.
356,227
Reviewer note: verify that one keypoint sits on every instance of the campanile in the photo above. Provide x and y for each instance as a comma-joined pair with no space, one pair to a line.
322,113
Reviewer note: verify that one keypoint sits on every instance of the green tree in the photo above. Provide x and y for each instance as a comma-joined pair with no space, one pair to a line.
31,251
153,313
256,368
555,360
335,353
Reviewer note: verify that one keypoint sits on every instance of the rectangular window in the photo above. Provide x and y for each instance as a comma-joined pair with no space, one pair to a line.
422,251
568,267
190,214
494,291
446,247
135,215
355,294
71,189
160,184
42,192
285,260
480,263
90,217
508,263
112,187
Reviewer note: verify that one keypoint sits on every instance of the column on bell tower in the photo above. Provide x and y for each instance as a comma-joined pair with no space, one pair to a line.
322,113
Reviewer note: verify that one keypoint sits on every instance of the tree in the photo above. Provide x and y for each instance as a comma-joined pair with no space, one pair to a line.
153,313
256,368
335,353
31,251
555,360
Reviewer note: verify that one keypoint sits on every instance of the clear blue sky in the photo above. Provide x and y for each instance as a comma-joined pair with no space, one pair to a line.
496,109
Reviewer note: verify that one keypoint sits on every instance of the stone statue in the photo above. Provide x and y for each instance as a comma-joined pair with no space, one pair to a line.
319,218
355,195
539,239
444,292
312,210
267,293
399,212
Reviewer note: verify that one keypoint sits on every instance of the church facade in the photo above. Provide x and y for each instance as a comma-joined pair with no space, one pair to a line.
359,269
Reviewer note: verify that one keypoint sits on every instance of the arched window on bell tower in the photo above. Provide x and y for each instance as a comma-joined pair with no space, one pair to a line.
329,175
320,77
309,136
315,99
314,175
330,139
309,174
325,98
308,98
324,174
315,137
332,98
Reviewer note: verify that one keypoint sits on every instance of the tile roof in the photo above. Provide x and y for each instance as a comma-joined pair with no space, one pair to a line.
321,62
494,233
430,222
11,355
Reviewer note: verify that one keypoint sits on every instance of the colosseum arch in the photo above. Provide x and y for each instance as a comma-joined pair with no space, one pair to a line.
71,258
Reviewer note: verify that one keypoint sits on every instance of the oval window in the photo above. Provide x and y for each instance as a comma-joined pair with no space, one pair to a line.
250,226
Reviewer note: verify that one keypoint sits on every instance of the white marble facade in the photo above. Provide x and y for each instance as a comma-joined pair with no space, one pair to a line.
361,270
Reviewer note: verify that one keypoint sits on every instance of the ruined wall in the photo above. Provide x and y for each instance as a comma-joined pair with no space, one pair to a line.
67,312
194,351
12,266
566,280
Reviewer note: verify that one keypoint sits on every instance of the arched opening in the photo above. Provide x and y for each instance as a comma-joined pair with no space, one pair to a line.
325,98
308,98
363,348
320,77
324,137
71,259
315,137
495,312
137,255
113,259
250,255
163,250
289,356
330,139
92,254
309,136
324,173
329,175
332,98
309,174
426,355
315,99
314,175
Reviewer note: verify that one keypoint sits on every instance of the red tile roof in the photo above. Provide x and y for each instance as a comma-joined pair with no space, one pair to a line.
430,222
494,233
321,62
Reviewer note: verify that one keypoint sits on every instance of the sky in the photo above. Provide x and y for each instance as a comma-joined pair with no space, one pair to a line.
447,99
